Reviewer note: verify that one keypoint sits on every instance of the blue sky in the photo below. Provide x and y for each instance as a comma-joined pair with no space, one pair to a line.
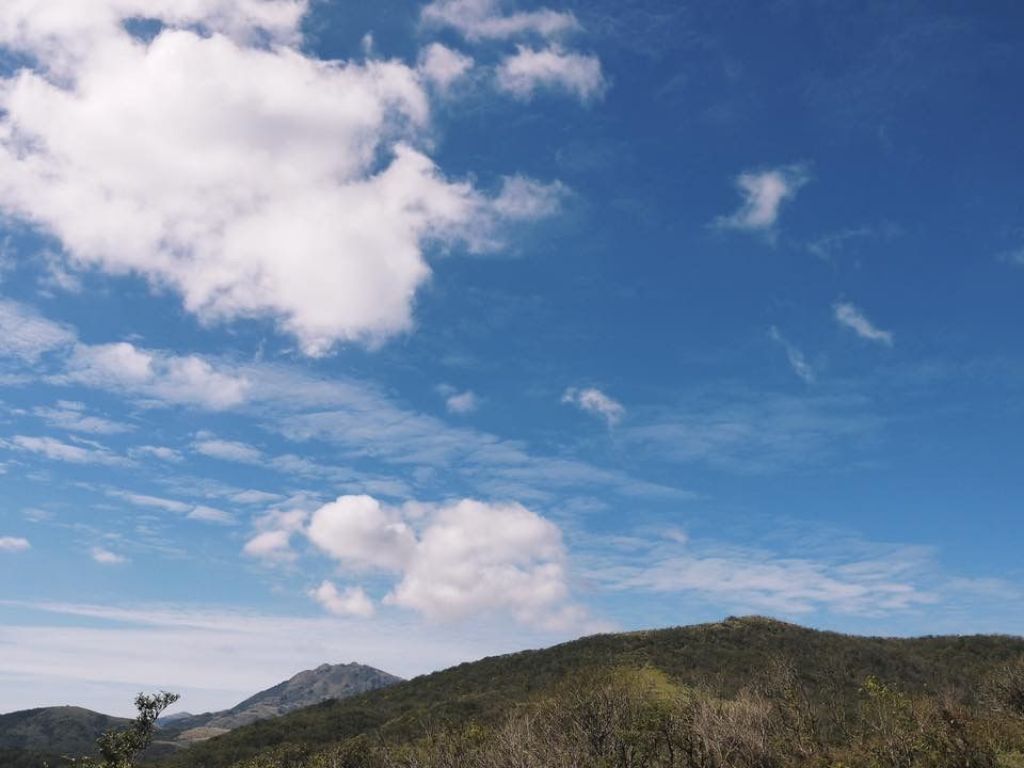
331,332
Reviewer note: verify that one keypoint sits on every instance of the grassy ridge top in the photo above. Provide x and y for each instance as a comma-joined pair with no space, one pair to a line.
722,656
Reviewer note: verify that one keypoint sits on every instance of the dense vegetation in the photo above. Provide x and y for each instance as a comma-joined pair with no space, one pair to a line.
744,692
24,758
57,730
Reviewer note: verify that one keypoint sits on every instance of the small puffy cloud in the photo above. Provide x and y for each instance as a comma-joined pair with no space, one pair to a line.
796,358
363,533
849,316
165,378
270,545
479,20
764,193
211,515
466,558
26,335
229,450
57,450
106,557
523,199
353,601
462,402
528,70
442,66
14,544
595,401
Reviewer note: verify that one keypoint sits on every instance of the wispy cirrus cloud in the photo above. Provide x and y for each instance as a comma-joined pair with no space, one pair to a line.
160,377
756,432
1014,257
58,450
72,416
228,450
797,360
26,335
850,316
479,20
594,401
865,581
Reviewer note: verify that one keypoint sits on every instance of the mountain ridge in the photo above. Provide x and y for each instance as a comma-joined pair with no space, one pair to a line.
305,688
722,657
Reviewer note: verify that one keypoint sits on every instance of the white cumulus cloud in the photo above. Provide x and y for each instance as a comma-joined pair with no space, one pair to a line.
250,179
363,533
464,558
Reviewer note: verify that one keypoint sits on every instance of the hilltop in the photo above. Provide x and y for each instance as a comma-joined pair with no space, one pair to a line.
30,736
721,657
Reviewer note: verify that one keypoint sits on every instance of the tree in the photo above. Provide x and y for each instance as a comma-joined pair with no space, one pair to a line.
120,748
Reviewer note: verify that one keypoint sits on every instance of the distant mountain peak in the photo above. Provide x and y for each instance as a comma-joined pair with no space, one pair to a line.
304,689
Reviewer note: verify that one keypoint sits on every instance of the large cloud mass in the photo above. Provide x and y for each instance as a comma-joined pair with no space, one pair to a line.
467,558
218,160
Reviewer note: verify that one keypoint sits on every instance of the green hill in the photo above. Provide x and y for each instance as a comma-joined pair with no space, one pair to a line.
51,731
721,657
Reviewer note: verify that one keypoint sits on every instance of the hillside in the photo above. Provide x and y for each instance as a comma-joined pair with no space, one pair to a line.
309,687
723,657
31,737
53,731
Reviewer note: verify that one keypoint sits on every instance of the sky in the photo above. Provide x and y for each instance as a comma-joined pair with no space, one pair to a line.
416,332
